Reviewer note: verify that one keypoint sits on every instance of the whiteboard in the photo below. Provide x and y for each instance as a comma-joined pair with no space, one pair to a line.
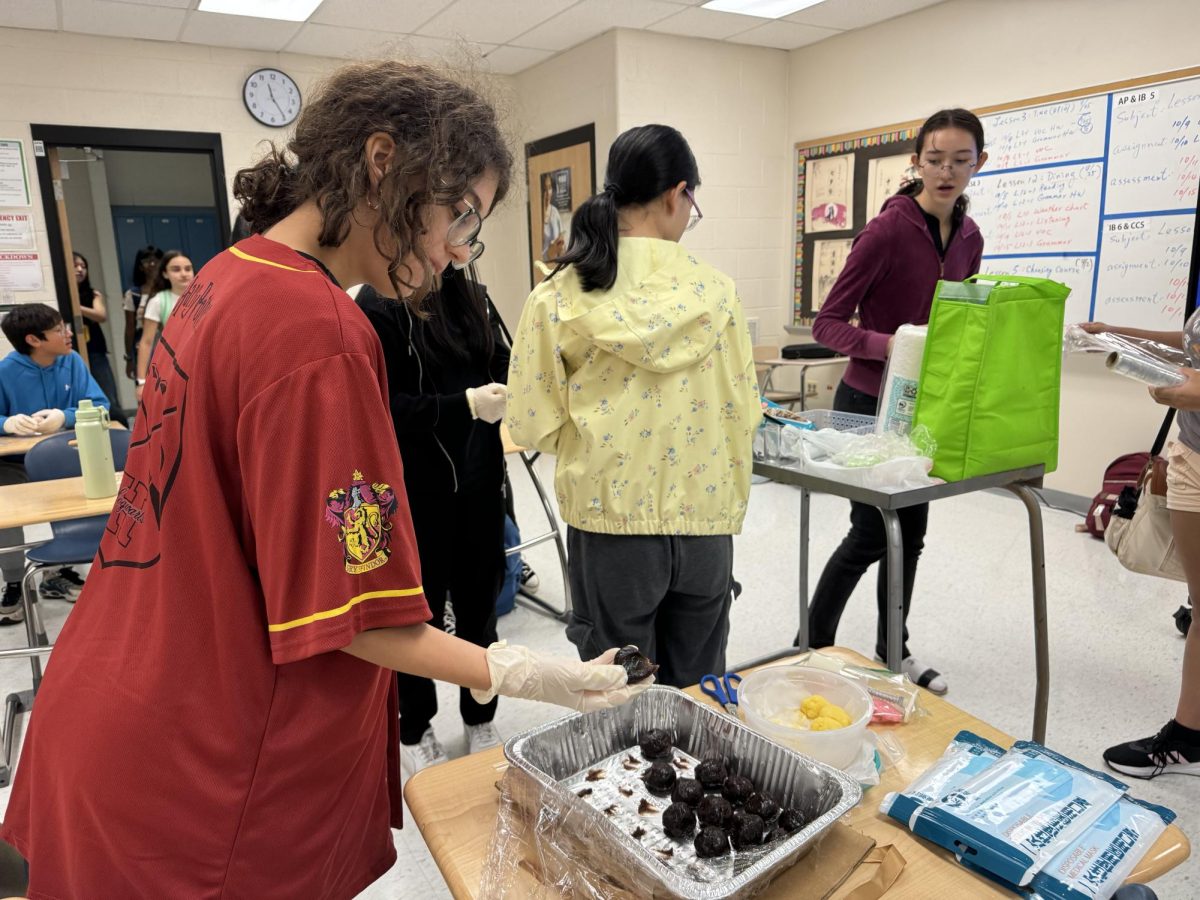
1100,193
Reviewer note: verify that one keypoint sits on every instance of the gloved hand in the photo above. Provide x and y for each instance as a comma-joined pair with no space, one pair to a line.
50,420
488,402
583,686
21,425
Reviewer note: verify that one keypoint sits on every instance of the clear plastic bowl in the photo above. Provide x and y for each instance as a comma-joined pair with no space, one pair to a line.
781,689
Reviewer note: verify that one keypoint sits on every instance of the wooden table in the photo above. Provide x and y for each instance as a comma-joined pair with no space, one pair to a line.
12,445
455,806
50,501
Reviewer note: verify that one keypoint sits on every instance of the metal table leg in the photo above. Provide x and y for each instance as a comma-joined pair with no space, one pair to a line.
895,606
802,635
1041,640
555,534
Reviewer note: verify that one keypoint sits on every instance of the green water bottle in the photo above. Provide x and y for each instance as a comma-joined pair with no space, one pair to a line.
95,450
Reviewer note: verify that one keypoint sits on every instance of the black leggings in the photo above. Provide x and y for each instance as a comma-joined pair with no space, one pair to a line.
865,544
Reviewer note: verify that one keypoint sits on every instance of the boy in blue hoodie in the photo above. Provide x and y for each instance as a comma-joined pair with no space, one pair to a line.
41,383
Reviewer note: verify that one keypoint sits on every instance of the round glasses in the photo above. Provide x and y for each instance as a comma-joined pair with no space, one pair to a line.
464,232
960,167
695,215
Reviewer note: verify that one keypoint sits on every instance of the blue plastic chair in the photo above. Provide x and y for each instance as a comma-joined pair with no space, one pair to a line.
75,541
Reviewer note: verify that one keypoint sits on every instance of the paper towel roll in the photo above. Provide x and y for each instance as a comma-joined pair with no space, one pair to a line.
898,397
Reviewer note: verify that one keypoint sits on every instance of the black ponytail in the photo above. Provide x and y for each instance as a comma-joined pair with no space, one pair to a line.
945,118
643,163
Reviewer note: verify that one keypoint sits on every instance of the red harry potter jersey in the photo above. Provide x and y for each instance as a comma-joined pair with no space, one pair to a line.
198,734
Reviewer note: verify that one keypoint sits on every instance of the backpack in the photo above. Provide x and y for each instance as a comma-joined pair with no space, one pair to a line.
1123,472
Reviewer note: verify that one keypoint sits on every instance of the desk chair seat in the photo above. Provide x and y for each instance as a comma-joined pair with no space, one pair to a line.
75,541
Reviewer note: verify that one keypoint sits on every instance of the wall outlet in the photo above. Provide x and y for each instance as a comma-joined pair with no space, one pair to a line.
752,324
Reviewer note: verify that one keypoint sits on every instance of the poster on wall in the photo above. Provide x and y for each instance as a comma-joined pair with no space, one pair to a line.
830,197
14,181
830,258
16,230
20,272
884,177
561,174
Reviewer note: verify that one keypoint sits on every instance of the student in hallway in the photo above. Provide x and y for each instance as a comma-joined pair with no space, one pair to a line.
923,233
95,313
171,280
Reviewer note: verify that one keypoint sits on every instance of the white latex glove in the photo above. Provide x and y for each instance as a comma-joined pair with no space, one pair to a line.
583,686
21,425
50,420
488,402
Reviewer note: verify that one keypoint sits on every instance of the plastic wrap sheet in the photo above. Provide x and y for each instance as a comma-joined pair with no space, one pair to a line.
1076,340
577,820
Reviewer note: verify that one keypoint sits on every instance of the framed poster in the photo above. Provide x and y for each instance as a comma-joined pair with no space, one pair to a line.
560,173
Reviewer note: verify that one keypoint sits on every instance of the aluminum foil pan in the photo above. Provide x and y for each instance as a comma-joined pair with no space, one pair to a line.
592,765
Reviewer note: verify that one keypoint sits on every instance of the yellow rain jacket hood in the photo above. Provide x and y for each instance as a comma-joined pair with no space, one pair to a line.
646,393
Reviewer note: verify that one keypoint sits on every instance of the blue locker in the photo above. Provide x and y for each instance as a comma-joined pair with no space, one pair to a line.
131,235
202,240
166,231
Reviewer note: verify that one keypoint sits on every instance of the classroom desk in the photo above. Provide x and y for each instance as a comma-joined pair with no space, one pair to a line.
1019,481
537,604
455,806
50,501
803,365
11,445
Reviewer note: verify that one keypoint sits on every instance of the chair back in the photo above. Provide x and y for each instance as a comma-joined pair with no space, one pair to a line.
56,458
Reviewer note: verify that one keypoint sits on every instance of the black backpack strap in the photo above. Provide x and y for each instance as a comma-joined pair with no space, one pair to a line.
1161,440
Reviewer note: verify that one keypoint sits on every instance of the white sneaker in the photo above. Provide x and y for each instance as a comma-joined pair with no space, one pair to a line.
482,737
923,676
529,578
421,755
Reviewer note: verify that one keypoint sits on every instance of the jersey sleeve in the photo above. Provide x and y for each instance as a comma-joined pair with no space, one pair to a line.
332,536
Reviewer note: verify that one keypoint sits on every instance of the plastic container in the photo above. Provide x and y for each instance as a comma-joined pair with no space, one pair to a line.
780,689
773,444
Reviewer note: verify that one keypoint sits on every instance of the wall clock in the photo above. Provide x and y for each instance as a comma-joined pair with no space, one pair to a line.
272,97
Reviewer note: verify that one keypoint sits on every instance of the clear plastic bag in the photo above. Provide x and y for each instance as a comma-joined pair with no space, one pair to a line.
895,698
883,462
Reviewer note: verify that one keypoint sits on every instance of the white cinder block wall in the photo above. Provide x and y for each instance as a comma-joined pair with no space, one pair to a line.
975,53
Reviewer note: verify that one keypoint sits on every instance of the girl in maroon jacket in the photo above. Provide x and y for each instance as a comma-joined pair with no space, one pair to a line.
921,234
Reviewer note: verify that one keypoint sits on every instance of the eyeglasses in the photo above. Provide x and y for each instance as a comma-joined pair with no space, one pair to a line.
62,328
464,232
960,167
695,215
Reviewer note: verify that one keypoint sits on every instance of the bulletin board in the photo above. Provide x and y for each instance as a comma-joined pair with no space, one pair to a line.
1096,188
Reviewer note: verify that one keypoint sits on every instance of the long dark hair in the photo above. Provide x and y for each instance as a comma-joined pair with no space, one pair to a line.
446,136
145,263
643,163
456,322
161,281
945,118
85,287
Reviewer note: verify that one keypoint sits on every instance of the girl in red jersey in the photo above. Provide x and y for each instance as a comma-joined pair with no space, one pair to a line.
219,717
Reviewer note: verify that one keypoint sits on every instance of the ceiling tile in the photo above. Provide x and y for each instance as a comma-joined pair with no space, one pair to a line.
589,18
387,15
508,60
121,19
498,21
28,14
175,4
848,14
244,32
706,23
783,35
330,40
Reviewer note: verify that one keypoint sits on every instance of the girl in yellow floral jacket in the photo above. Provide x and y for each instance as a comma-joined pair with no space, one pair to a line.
632,364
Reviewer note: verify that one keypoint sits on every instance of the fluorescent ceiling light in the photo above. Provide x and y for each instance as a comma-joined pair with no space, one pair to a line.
764,9
284,10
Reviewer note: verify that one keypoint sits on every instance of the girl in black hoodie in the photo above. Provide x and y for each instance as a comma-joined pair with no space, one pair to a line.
445,376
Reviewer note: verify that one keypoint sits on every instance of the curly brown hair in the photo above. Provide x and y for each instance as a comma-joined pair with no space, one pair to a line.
446,135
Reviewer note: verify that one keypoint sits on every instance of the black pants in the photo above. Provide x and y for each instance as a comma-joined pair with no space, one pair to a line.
670,595
460,539
865,544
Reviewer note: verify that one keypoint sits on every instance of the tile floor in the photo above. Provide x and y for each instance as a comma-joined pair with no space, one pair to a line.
1115,653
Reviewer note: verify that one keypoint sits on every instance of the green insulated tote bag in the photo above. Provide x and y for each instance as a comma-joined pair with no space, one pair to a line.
989,385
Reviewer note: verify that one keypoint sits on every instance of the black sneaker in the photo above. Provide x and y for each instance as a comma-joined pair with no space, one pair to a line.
1165,753
529,578
12,611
